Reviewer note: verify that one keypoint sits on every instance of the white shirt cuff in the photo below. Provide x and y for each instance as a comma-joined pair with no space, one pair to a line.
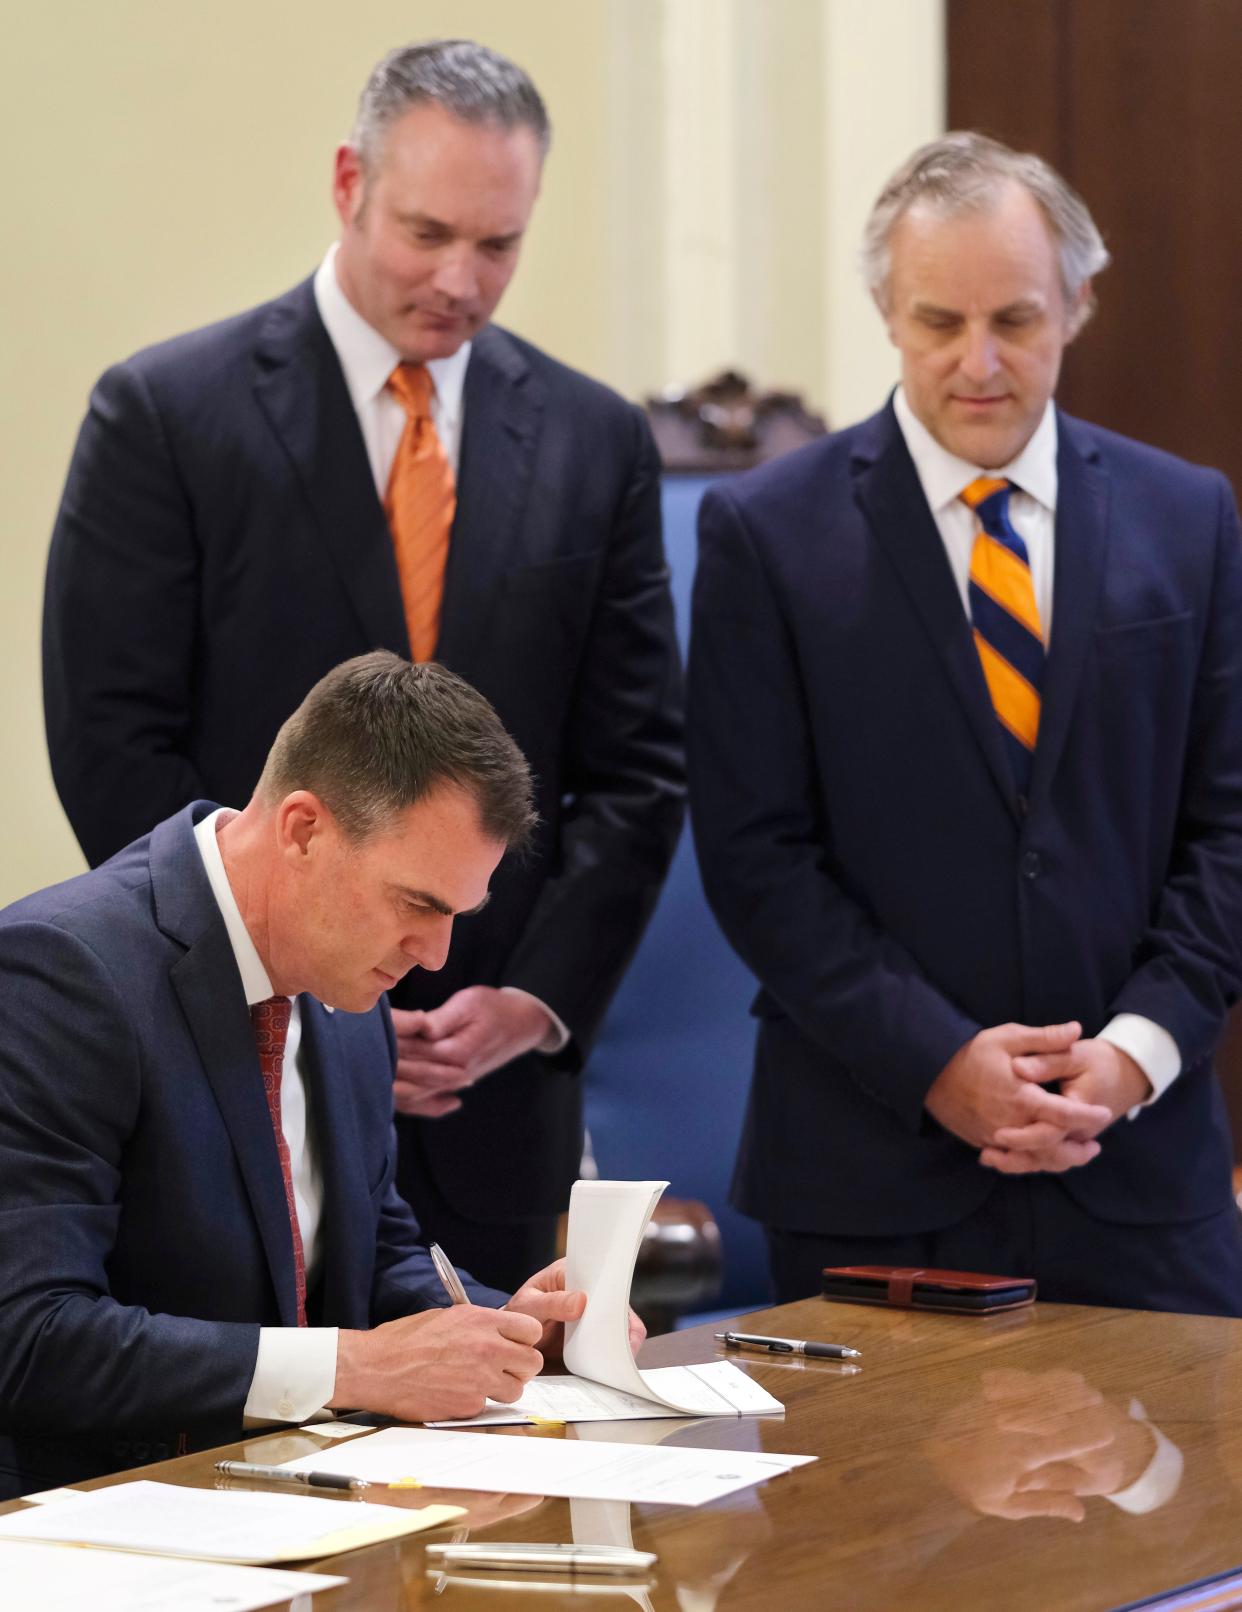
558,1035
1152,1048
294,1374
1160,1482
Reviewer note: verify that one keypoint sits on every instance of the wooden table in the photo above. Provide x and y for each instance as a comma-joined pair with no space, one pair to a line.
915,1500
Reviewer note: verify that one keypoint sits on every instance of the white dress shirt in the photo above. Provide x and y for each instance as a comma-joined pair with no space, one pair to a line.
1032,510
296,1367
367,359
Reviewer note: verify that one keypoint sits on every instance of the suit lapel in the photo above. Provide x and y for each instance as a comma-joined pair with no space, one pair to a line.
347,1239
502,413
889,490
300,388
207,984
1081,548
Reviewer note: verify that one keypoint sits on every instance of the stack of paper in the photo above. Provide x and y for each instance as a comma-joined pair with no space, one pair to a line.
56,1578
218,1525
440,1458
606,1223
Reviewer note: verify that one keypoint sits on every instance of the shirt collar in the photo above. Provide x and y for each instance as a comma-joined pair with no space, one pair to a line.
254,977
943,475
368,359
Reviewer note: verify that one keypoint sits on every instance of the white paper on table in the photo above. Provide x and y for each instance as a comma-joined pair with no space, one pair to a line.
606,1224
58,1578
449,1459
577,1399
239,1526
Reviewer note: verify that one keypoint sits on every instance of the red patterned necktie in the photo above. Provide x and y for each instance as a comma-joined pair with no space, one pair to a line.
270,1021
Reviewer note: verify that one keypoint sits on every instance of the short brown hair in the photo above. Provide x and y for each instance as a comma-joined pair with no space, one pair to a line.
377,734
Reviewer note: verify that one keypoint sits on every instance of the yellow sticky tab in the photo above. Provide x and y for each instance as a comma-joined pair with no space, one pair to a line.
405,1483
544,1424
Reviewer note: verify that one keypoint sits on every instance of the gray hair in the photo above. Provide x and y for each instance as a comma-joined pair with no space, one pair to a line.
965,172
472,82
378,734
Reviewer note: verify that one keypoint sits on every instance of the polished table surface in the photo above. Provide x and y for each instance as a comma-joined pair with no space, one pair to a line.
936,1458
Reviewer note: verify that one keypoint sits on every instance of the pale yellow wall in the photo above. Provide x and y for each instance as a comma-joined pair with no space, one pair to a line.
169,164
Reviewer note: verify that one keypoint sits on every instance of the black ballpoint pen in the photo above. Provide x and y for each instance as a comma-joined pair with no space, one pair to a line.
280,1474
788,1346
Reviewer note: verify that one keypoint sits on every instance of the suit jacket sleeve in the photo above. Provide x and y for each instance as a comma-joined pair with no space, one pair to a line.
119,624
624,773
764,837
404,1279
75,1361
1188,961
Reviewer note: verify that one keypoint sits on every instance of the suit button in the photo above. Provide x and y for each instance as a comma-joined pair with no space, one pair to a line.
1032,864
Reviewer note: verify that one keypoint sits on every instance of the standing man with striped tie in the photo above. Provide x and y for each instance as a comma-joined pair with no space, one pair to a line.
368,461
966,778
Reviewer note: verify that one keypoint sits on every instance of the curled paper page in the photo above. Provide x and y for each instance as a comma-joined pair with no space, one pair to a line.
606,1224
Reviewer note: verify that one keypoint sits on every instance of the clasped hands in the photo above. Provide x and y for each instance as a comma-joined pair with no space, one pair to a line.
1038,1444
993,1095
440,1364
441,1052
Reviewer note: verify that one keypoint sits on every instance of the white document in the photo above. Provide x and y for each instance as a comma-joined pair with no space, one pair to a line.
727,1392
57,1578
448,1459
219,1525
606,1224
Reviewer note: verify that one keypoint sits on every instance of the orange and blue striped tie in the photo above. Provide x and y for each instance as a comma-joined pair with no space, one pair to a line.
1005,617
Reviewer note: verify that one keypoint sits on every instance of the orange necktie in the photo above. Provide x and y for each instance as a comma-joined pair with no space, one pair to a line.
419,504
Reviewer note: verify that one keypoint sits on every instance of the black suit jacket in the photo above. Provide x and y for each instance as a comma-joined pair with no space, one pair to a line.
220,546
866,851
144,1230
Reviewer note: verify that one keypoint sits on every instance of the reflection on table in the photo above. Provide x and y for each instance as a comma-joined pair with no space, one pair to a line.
1059,1458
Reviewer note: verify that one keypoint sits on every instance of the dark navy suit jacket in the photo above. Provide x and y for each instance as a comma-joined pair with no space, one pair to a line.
867,853
220,546
144,1233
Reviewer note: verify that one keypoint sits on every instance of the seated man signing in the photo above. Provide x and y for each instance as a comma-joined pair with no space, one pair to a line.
198,1221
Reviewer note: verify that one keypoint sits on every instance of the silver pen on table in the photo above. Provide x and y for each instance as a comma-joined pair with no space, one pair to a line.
788,1346
449,1278
280,1474
519,1555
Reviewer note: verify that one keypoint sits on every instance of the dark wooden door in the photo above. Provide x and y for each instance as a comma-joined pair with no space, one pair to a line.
1139,104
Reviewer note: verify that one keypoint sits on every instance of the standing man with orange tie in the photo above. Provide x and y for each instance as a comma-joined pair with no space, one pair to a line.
368,462
966,779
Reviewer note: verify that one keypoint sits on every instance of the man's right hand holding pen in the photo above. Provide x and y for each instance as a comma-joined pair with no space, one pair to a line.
446,1363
